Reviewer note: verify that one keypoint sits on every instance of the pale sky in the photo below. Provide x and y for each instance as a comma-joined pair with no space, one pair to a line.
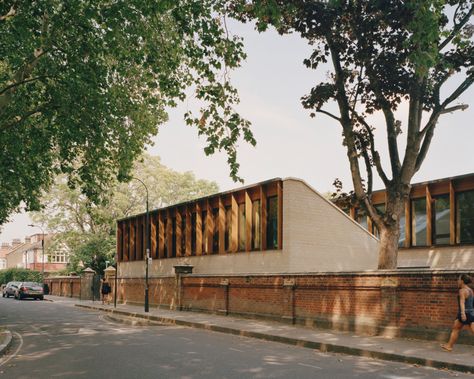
289,142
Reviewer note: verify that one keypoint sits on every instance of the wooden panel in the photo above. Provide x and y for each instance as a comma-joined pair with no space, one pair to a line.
209,227
280,214
161,235
179,232
248,222
352,213
153,235
198,230
188,232
234,237
263,207
465,184
452,214
221,227
429,217
407,223
440,188
379,197
169,234
417,192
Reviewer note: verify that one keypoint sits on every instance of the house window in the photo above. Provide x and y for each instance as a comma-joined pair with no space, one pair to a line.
215,232
465,217
402,226
203,231
173,237
440,221
272,222
58,257
381,211
193,233
418,222
242,227
256,225
228,227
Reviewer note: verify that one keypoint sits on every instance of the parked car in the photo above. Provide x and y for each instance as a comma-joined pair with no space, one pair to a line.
29,289
10,289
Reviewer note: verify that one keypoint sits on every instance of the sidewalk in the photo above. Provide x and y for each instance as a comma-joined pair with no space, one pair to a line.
425,353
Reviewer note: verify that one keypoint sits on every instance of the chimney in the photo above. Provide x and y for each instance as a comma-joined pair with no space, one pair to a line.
5,245
27,239
16,242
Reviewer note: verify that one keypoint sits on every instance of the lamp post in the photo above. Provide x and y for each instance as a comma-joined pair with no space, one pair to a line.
147,236
42,248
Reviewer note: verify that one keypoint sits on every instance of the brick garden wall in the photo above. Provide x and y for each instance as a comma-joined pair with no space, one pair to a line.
420,304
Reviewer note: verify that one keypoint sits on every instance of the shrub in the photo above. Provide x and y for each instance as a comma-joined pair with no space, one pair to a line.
19,275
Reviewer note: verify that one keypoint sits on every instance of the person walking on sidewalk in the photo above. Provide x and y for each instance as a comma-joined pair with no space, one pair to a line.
105,291
465,317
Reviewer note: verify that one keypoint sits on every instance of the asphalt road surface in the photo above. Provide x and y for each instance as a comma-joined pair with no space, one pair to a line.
56,340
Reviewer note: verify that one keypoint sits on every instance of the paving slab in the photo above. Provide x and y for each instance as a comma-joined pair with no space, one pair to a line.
420,352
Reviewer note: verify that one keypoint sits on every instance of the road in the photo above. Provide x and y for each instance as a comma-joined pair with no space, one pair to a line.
56,340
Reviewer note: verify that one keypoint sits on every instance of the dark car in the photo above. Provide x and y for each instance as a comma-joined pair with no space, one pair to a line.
29,289
10,289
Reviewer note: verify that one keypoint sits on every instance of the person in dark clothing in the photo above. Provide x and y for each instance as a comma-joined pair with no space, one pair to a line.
105,290
465,317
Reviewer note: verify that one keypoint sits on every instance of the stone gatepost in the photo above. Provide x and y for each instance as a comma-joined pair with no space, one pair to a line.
87,281
179,271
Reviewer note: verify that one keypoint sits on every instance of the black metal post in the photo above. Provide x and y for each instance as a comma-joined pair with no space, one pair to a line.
147,257
115,286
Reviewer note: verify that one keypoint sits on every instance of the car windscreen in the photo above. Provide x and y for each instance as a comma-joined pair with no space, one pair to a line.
30,284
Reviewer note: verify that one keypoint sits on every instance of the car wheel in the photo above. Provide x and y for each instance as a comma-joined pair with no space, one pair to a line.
3,295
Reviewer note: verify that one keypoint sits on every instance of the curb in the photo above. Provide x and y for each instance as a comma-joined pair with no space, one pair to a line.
7,340
321,346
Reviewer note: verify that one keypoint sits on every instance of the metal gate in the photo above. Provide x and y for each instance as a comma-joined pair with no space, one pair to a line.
96,287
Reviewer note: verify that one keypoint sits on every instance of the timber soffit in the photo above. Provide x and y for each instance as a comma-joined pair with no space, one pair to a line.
193,201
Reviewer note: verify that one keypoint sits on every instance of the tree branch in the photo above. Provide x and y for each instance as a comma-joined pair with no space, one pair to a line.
7,88
461,107
328,114
456,29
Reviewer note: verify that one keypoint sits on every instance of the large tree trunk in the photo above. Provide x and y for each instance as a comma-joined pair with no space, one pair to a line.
388,253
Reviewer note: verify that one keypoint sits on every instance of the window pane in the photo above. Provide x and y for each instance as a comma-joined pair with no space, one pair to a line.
204,234
183,234
441,217
361,217
228,226
193,233
173,237
272,222
418,221
242,231
256,225
215,232
465,217
401,238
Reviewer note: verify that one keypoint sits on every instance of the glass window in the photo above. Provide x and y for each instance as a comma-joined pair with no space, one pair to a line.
256,225
242,228
272,222
173,237
440,222
165,239
465,217
228,226
402,225
361,217
418,222
215,232
193,233
204,234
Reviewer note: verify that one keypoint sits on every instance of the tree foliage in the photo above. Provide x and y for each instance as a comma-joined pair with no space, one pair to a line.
87,230
84,86
382,53
20,275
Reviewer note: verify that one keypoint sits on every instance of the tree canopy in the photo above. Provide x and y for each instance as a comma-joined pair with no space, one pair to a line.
84,86
381,54
87,231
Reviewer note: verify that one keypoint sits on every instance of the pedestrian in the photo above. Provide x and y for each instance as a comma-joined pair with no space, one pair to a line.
465,317
105,291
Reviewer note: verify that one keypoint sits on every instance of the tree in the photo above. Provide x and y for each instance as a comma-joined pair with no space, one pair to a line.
87,231
84,86
382,54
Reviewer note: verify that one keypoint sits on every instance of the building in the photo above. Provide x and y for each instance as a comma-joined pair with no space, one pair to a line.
278,226
440,229
4,249
29,255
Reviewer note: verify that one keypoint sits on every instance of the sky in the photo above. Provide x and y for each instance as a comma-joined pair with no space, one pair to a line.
289,143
